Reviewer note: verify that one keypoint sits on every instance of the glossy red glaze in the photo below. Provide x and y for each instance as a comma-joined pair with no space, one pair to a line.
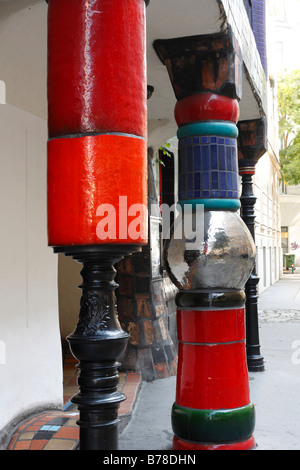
214,326
212,376
85,172
247,172
215,338
206,107
96,67
179,444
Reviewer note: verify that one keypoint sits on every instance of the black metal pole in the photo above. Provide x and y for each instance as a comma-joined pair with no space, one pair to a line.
98,342
254,359
252,145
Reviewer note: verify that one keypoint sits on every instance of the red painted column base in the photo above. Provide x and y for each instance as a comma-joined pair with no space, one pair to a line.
212,410
179,444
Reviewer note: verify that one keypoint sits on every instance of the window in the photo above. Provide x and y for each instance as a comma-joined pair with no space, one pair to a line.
284,239
283,188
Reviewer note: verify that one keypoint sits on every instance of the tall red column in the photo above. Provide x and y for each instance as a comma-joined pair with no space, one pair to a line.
96,115
97,171
210,264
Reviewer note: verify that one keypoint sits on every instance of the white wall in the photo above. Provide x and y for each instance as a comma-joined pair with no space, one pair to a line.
267,212
31,361
23,57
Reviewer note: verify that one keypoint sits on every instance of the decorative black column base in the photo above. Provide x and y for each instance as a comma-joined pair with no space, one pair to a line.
98,342
255,363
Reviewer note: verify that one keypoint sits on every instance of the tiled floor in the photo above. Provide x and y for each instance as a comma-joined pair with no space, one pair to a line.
57,430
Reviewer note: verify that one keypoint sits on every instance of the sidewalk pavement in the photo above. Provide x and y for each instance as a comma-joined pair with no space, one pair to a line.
147,410
275,391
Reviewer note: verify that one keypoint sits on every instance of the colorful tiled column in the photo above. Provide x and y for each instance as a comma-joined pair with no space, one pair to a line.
212,409
97,181
252,144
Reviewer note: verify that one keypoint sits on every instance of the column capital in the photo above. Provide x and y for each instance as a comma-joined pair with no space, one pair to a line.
252,143
207,63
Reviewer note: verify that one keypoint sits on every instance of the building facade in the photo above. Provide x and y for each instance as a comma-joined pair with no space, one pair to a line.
284,24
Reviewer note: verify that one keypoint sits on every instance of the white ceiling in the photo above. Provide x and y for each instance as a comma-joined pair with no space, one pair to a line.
23,56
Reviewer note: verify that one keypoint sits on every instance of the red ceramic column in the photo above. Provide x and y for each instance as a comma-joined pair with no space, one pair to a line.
96,115
97,181
212,409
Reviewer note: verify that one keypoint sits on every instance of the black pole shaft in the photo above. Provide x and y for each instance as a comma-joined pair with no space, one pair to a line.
98,342
254,359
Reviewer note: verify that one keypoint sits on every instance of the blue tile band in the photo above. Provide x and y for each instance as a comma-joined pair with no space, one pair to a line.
219,128
213,204
208,168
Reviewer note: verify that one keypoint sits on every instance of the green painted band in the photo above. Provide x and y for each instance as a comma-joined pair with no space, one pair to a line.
218,426
213,204
223,129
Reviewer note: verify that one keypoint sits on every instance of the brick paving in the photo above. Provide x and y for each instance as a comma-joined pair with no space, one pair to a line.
57,430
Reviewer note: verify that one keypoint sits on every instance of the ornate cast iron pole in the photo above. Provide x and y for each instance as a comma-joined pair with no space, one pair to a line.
252,144
97,152
212,409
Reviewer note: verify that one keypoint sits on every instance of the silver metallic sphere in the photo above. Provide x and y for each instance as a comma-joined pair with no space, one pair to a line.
221,258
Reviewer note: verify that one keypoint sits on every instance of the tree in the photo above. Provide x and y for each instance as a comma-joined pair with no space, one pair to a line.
289,125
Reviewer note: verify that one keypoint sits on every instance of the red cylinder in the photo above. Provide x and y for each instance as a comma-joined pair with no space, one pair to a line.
206,107
96,67
179,444
212,367
94,178
97,121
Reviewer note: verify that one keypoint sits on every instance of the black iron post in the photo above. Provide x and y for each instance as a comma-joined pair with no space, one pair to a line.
98,342
254,359
252,145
